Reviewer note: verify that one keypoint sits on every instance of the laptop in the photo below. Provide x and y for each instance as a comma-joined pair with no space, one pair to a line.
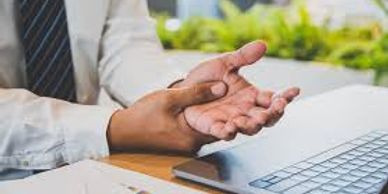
356,166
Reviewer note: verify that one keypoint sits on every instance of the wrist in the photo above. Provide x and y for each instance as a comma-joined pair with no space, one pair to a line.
126,131
109,132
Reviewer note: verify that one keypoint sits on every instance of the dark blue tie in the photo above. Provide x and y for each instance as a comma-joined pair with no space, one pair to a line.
45,37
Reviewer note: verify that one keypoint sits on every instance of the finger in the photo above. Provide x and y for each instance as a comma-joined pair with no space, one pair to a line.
276,111
264,98
246,55
199,136
223,131
259,116
289,94
197,94
246,125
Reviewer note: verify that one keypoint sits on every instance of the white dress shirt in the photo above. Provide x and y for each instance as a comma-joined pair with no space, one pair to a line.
117,58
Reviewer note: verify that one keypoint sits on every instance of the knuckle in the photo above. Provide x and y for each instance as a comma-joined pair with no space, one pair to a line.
229,135
262,119
255,130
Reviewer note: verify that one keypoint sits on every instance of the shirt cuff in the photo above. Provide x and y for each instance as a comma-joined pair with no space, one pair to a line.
85,133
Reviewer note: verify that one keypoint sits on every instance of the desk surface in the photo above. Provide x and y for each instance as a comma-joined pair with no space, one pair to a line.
324,120
155,165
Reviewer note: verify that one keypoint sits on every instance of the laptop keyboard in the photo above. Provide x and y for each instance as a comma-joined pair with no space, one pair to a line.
358,166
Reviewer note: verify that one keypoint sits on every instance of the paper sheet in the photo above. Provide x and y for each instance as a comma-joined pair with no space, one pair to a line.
92,177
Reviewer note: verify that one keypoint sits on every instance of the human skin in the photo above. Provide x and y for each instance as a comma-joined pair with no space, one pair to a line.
156,121
189,115
245,108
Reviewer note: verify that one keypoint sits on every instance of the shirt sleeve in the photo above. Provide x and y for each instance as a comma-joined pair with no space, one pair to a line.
44,133
132,61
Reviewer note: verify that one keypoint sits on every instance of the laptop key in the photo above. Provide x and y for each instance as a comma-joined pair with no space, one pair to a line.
373,190
340,182
358,173
260,184
331,175
379,175
349,177
310,173
282,174
299,189
356,153
367,158
329,164
268,177
283,185
292,170
330,187
358,142
364,149
367,138
303,165
371,146
349,166
275,180
377,164
317,191
311,184
368,168
382,151
338,160
300,177
358,162
347,157
353,189
384,138
319,168
371,179
382,160
321,179
331,153
340,192
341,170
362,184
384,170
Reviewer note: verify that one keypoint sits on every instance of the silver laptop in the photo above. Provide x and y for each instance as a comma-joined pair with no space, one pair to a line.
357,166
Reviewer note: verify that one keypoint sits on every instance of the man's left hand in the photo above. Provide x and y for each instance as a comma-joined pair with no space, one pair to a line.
245,108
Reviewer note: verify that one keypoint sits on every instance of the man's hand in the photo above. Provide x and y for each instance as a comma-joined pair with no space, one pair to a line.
156,121
245,108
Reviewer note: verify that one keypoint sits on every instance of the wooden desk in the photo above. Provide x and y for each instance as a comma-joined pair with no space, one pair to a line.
157,166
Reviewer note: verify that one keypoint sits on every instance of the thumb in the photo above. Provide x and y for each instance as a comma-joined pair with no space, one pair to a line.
246,55
198,94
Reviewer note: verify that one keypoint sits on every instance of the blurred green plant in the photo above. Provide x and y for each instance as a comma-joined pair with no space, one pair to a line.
383,5
289,33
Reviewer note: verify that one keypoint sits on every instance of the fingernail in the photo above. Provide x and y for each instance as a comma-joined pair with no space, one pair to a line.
219,89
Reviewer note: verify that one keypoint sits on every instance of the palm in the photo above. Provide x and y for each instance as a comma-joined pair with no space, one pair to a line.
223,68
221,118
244,107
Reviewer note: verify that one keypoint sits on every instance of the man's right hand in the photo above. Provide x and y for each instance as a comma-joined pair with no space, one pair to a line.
156,122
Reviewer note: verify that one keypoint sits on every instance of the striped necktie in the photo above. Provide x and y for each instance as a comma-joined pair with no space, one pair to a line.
45,37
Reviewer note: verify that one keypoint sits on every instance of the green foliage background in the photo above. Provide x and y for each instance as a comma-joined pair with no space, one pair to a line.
289,33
